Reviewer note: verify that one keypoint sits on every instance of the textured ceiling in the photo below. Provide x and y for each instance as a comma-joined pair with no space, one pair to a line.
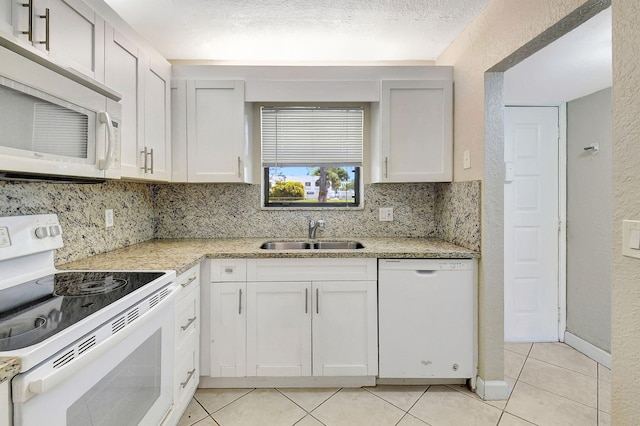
293,31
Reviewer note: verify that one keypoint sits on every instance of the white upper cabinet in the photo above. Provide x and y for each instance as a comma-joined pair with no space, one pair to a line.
154,158
412,138
143,81
69,32
211,142
123,73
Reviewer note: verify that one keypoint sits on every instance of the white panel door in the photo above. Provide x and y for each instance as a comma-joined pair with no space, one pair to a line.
531,224
279,329
228,329
344,328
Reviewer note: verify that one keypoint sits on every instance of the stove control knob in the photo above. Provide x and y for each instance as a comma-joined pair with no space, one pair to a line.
54,230
41,232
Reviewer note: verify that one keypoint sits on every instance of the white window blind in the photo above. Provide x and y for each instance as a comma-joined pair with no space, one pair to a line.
311,137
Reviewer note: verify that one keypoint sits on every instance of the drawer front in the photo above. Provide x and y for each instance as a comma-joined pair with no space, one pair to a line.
312,269
228,270
188,315
187,372
190,278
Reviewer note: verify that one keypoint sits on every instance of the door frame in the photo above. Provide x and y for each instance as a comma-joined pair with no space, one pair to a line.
562,217
562,213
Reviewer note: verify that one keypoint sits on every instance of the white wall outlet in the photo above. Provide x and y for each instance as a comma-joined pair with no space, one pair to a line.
467,159
108,218
386,214
631,238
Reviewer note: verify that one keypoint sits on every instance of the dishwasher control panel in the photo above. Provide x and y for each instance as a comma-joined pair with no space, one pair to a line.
426,264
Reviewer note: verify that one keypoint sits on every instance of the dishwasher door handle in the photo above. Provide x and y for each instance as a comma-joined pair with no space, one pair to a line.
425,272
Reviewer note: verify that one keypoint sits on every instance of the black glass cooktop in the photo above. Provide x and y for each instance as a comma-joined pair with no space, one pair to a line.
36,310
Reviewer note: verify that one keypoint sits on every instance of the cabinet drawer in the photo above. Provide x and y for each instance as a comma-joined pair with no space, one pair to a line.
188,316
312,269
189,278
187,373
228,270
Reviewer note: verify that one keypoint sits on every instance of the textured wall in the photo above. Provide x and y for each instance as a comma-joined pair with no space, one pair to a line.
589,210
503,34
230,210
625,339
80,208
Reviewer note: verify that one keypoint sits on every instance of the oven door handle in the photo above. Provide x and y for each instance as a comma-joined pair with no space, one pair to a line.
44,384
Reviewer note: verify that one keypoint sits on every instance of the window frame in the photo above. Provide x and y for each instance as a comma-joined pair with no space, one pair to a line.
356,204
358,199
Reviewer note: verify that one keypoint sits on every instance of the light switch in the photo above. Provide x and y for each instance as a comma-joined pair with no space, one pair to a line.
631,238
634,239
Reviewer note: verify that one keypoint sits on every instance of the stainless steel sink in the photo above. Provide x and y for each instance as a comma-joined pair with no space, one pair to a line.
318,245
286,245
337,245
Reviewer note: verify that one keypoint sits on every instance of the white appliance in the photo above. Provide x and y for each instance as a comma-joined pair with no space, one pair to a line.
54,126
426,318
96,347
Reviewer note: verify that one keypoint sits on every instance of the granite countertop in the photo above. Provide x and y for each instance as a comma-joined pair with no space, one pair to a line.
9,367
182,254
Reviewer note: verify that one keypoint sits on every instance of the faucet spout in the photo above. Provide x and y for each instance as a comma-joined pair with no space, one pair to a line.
313,227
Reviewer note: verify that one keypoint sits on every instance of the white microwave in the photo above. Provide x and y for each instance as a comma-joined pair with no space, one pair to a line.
53,126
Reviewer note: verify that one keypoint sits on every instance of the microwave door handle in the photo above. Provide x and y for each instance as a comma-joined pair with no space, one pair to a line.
103,118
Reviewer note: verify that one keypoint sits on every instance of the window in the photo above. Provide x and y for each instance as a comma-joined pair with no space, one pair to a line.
311,157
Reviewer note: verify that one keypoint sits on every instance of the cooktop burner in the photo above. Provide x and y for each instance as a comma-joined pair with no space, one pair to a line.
34,311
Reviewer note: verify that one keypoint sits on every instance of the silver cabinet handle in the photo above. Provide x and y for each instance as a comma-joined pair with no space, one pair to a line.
317,301
189,281
386,167
46,29
306,300
183,384
29,32
240,302
151,160
144,154
191,320
239,167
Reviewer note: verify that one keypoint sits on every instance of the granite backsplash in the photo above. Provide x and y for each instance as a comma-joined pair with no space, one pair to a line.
81,208
450,211
142,211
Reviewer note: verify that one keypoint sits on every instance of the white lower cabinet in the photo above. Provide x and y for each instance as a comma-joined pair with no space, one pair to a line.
187,343
294,318
278,329
228,329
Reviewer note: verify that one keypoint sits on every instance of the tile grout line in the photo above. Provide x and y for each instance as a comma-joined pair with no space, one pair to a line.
304,409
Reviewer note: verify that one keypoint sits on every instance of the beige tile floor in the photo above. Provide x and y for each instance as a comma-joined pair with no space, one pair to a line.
552,384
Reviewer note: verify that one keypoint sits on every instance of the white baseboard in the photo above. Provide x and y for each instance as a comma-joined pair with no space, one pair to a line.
492,390
593,352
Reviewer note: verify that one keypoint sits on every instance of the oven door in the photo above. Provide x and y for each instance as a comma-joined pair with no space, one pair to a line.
125,380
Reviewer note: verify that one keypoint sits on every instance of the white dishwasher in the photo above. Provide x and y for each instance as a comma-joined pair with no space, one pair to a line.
426,318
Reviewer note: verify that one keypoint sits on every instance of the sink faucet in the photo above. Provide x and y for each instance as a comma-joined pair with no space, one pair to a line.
313,227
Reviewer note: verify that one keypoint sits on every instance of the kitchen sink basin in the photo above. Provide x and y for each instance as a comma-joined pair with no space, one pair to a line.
286,245
318,245
337,245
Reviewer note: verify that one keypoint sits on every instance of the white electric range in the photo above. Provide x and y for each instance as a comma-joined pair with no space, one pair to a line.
96,347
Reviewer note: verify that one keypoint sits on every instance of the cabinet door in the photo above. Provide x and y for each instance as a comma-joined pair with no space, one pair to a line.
123,73
416,132
157,120
279,329
216,144
228,324
345,328
69,31
9,9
